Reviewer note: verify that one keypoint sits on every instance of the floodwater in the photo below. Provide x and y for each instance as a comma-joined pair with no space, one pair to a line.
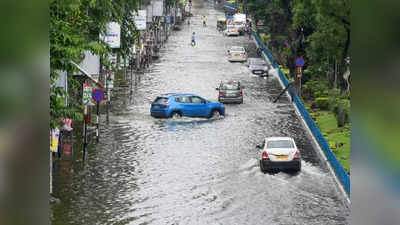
195,171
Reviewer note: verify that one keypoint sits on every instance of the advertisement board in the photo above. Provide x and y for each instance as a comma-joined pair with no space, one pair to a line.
140,19
87,94
158,8
113,35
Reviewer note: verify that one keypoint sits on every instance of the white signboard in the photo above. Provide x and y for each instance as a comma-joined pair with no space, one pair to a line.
113,35
158,8
87,94
109,80
140,19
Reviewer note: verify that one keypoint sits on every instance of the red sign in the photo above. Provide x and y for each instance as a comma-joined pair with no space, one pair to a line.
97,95
300,61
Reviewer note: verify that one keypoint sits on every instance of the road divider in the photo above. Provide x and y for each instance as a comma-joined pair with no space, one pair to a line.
340,172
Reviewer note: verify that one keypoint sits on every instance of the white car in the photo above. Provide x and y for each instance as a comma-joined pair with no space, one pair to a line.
279,153
237,54
231,31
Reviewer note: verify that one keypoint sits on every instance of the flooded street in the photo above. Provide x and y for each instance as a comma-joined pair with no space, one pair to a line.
196,171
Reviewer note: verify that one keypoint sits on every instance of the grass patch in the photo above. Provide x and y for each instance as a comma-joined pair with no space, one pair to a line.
337,137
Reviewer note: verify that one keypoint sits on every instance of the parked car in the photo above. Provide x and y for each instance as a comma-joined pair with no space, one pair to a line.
237,53
178,105
231,30
279,153
258,66
230,92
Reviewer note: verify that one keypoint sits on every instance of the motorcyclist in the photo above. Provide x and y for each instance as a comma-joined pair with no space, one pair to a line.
193,43
204,21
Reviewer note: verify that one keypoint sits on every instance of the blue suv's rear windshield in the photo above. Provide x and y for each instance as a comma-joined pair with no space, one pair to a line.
161,100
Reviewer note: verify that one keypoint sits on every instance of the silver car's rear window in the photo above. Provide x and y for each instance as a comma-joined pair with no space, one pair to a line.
280,144
258,62
232,86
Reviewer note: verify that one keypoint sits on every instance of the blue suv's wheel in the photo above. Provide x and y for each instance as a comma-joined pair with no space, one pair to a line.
176,115
215,113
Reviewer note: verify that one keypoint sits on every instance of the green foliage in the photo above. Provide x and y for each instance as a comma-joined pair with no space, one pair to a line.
75,26
322,103
315,88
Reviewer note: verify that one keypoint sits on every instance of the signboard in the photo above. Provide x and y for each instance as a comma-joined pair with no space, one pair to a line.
169,19
299,72
98,95
54,138
158,8
178,13
140,19
113,35
109,80
300,61
87,94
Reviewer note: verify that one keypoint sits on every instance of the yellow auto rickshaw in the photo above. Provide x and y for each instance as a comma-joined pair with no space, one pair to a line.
221,24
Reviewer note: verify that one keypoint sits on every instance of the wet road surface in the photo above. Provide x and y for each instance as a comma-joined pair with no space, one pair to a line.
196,171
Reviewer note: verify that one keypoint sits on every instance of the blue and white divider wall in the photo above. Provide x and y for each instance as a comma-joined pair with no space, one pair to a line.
340,172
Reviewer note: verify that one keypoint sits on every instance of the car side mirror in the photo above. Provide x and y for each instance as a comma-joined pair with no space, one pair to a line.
217,89
229,51
259,146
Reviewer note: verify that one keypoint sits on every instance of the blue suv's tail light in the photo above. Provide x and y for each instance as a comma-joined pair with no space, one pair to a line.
164,106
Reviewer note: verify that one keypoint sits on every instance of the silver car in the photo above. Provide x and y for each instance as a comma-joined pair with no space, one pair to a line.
230,92
258,66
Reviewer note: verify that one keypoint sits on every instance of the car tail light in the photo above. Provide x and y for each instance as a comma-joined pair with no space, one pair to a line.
244,54
164,106
265,155
297,155
220,94
241,92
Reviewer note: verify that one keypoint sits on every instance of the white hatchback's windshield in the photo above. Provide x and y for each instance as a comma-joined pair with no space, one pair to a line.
237,49
280,144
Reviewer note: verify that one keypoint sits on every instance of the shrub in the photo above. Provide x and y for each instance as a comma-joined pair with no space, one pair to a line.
322,103
315,88
342,112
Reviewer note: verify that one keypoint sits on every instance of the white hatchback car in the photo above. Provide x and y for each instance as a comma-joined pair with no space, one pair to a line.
237,54
279,153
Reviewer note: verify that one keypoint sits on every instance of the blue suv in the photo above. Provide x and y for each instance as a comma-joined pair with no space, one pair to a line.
178,105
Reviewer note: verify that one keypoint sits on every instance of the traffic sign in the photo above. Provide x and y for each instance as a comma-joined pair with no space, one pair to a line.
300,61
98,95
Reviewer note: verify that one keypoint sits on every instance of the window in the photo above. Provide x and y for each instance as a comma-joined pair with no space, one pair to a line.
161,100
183,99
280,144
230,86
258,62
196,99
237,49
